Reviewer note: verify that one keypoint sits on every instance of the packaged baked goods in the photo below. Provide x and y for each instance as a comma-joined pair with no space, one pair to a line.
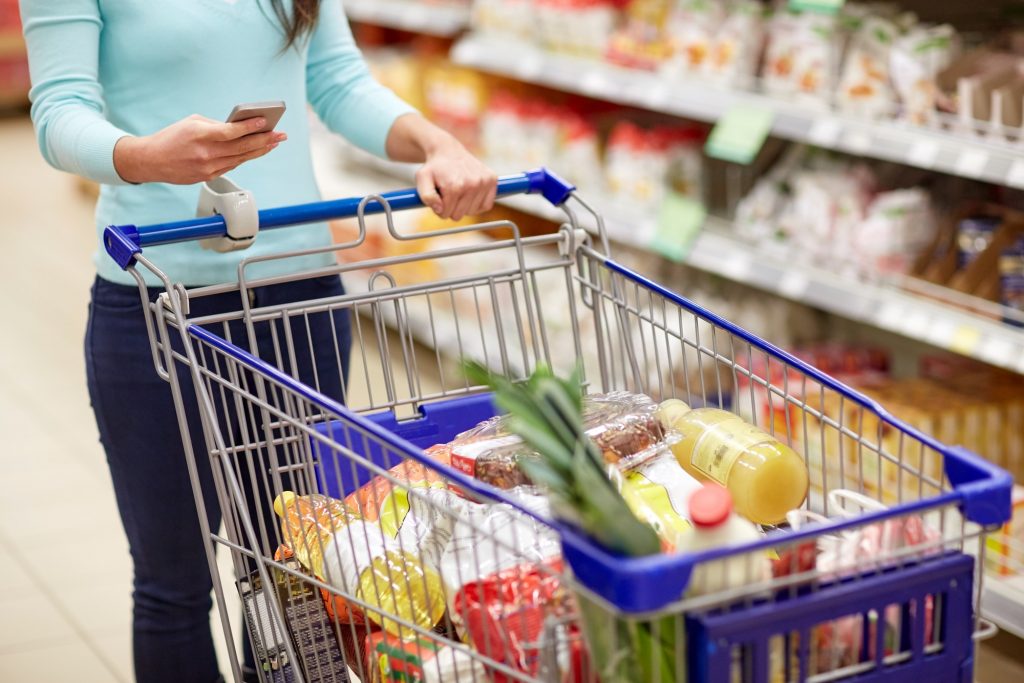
622,424
864,85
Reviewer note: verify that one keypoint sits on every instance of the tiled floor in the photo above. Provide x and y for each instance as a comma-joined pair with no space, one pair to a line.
64,565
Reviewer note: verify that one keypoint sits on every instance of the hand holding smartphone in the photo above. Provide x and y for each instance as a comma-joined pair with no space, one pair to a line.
271,111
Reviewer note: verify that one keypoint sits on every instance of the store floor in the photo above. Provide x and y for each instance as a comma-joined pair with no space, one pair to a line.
65,574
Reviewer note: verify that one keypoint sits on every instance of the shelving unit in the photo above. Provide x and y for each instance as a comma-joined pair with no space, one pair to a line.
948,152
441,19
906,307
883,305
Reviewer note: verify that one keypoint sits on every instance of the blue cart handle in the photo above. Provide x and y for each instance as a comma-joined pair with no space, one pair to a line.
125,242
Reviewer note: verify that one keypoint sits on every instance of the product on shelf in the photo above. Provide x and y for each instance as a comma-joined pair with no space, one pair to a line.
1006,547
715,525
802,55
720,42
839,214
578,27
642,164
917,58
864,87
1011,280
356,557
766,478
642,39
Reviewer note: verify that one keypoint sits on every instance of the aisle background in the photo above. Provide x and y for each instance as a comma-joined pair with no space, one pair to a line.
64,568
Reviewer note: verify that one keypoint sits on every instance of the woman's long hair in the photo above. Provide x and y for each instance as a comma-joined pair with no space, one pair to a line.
300,22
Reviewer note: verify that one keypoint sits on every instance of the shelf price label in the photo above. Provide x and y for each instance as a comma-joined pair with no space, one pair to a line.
740,134
823,6
680,220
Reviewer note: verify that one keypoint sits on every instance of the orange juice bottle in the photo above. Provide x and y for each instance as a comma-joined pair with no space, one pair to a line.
355,556
766,477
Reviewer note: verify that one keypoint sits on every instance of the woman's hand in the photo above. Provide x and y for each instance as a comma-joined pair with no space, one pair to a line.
192,150
452,182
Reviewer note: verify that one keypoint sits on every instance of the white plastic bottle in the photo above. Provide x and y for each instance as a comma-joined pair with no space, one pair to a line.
715,525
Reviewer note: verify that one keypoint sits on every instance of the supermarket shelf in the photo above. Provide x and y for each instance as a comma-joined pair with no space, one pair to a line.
1002,601
962,155
883,305
12,44
408,15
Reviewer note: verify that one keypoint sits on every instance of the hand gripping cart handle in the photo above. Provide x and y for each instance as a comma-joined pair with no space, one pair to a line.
555,299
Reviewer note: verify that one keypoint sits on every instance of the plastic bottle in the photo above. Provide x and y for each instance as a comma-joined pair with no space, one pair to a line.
715,525
355,555
766,478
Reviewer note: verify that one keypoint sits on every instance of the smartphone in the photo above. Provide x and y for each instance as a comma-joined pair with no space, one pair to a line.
271,111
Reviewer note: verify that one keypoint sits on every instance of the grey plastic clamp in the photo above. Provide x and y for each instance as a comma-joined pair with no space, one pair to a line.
222,197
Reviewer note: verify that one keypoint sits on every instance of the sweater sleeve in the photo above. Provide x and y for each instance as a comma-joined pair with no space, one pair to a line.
343,93
67,100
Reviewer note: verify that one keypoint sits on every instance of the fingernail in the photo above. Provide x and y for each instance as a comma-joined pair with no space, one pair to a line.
281,137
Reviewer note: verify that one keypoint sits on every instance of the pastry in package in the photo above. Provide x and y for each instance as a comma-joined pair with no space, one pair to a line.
622,424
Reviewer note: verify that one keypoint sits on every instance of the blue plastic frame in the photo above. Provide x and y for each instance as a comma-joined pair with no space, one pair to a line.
124,242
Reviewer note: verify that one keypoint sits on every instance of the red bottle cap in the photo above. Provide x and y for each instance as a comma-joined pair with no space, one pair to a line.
710,506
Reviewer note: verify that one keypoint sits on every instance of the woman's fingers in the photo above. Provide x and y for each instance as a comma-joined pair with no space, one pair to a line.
250,143
425,185
230,163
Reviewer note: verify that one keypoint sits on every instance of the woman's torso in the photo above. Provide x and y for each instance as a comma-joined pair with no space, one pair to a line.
160,62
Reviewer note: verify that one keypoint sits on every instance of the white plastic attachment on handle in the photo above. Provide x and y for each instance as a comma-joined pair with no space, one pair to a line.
222,197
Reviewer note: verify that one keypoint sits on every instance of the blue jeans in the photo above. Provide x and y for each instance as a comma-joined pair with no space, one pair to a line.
139,431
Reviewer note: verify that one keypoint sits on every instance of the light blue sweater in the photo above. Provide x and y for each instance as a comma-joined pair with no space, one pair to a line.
102,69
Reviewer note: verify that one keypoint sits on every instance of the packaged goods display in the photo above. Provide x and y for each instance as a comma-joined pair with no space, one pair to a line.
867,59
851,216
766,477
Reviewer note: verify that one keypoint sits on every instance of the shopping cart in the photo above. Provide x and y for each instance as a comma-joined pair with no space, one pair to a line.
512,607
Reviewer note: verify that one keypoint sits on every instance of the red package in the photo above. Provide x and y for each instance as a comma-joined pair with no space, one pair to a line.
505,614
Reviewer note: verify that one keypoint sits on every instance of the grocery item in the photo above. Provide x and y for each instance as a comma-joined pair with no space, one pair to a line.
864,85
417,660
622,425
766,478
1006,547
917,58
802,55
487,539
1011,280
658,492
642,40
736,46
548,413
692,26
357,558
715,525
268,641
507,614
313,634
376,500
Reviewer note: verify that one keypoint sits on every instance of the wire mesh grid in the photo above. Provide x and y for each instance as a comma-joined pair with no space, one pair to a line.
502,605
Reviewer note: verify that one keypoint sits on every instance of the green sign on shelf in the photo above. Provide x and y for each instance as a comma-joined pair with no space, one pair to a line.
740,134
824,6
679,222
